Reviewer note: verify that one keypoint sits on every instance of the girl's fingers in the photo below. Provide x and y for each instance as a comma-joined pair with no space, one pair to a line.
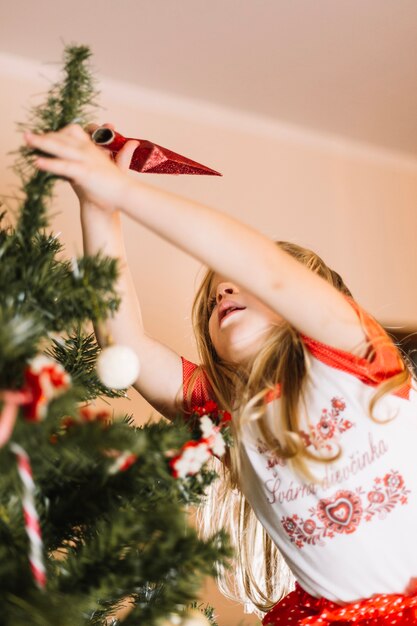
60,167
90,128
70,135
51,143
74,130
62,145
124,157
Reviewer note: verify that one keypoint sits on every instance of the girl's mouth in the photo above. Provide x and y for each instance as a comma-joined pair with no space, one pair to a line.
227,308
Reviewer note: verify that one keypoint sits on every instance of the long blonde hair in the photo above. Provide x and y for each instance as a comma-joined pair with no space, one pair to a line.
259,575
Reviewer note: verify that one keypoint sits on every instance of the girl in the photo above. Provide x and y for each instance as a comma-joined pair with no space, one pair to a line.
324,406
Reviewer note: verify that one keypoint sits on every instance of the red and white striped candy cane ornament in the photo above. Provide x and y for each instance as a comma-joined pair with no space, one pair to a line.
32,524
122,463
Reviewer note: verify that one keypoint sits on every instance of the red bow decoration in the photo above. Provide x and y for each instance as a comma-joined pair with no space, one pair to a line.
149,157
207,423
45,379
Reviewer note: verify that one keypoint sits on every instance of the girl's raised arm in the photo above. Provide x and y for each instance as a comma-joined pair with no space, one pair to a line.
229,247
245,256
160,381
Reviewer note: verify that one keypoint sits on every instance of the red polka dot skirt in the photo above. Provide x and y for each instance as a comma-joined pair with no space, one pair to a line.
299,608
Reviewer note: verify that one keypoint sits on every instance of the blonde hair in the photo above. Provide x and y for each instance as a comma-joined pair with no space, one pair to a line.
259,575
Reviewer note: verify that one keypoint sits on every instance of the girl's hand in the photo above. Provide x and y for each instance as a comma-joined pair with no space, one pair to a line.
93,174
122,160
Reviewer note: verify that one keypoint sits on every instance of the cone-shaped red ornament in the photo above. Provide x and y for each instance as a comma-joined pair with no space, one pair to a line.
149,157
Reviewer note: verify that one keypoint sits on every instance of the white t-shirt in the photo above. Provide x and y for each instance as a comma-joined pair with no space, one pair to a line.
351,533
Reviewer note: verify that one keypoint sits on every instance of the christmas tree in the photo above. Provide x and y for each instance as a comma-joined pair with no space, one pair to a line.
93,514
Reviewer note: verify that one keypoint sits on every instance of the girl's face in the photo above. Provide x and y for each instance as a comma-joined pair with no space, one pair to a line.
238,322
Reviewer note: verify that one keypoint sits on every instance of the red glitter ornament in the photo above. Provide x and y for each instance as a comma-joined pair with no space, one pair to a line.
149,157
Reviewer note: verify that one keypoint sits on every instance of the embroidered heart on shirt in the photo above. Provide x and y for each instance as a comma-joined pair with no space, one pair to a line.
341,514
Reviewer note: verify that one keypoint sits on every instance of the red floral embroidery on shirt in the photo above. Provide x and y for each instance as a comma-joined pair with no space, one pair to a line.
325,433
272,456
303,532
384,497
323,436
346,510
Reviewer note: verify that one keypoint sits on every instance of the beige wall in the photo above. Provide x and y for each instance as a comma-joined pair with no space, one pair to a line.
354,204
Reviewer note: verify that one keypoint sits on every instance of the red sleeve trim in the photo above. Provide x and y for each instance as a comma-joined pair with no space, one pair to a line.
383,364
200,392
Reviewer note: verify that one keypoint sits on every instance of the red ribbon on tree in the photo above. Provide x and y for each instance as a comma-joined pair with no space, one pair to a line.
12,400
45,379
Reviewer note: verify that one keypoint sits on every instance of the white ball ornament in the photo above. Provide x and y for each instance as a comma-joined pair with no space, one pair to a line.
191,618
172,620
195,618
118,367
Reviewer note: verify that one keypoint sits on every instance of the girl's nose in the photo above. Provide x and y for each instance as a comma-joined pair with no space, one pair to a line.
226,289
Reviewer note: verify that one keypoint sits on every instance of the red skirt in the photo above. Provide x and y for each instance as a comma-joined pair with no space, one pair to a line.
299,608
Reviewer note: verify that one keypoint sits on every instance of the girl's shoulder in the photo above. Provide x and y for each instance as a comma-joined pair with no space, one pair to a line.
196,386
374,362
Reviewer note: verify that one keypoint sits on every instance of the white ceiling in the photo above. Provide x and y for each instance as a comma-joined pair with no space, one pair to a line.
347,67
